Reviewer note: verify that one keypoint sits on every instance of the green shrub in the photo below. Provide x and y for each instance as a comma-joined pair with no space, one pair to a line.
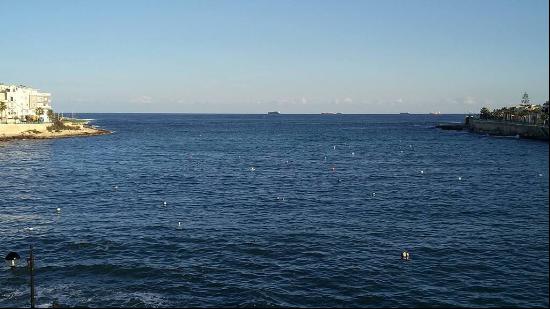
33,131
58,125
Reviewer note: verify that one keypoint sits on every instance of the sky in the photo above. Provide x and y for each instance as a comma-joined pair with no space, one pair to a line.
255,56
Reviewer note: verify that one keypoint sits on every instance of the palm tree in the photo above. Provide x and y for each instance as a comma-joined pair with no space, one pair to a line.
39,111
3,107
50,115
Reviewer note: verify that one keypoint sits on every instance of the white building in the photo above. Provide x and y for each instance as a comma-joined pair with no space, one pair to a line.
22,101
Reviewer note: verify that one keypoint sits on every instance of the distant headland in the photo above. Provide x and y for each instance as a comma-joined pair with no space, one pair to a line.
26,113
525,120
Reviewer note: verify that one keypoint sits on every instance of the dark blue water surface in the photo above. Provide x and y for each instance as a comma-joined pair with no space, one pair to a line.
288,210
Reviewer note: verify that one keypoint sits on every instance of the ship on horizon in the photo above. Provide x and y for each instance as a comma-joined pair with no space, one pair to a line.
273,113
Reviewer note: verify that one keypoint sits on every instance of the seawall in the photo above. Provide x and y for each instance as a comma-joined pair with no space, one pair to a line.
503,128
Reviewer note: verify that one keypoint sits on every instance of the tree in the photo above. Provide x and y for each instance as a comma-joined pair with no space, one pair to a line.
485,113
498,114
39,111
3,107
50,114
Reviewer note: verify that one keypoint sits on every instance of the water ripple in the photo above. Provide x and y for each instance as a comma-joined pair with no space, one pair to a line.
293,211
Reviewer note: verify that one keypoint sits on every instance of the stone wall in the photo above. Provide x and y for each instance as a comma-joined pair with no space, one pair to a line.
503,128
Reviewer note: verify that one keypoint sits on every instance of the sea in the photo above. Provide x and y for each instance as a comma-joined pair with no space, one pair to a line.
227,210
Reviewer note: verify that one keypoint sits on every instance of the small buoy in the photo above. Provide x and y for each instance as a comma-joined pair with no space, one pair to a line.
164,203
540,175
58,210
116,187
333,169
373,194
334,147
252,169
405,255
421,172
179,226
459,178
353,153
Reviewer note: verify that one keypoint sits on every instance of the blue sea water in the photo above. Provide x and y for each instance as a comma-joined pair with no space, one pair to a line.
279,210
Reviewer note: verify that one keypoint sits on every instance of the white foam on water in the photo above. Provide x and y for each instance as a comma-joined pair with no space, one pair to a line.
16,293
63,294
149,299
14,218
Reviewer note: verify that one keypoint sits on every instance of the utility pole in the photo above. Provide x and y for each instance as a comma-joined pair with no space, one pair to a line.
31,269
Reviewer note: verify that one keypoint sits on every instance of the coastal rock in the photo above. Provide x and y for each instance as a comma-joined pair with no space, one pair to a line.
40,131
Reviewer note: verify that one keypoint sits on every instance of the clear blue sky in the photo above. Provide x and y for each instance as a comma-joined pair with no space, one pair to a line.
292,56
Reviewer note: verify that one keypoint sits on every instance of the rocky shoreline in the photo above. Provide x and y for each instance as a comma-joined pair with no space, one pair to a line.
499,128
40,131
